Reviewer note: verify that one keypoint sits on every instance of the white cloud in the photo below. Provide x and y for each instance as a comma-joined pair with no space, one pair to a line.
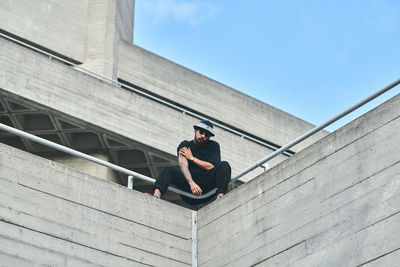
192,12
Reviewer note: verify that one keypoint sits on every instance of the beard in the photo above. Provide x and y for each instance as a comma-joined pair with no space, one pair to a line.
200,141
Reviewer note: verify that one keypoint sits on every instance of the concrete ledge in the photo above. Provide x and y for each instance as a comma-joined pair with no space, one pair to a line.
49,207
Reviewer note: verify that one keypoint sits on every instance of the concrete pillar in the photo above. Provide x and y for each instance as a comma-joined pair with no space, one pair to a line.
108,22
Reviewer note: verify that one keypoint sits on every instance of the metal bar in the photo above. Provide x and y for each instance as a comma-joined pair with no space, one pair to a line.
90,158
73,152
316,129
130,182
185,111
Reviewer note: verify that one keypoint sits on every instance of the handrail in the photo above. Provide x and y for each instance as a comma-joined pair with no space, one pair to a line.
317,128
93,159
157,99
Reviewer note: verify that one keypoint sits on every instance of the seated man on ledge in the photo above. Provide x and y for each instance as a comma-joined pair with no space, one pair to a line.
200,168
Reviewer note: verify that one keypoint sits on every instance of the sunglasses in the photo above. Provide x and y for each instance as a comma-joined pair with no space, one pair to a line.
204,132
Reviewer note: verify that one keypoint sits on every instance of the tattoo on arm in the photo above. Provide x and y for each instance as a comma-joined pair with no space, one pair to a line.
183,165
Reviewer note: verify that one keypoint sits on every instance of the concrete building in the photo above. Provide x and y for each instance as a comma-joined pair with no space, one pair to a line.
331,204
91,114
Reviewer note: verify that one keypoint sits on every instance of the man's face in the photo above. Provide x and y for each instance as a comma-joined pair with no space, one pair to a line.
200,137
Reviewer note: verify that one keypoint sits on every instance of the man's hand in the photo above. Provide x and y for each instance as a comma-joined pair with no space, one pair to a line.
186,152
196,190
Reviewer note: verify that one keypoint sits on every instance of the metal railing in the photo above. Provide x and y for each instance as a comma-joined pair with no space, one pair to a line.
132,174
76,153
317,129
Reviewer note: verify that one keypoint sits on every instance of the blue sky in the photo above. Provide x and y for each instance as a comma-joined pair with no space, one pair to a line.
312,59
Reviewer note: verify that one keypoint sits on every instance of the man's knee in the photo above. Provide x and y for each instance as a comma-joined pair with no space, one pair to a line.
224,165
224,170
163,179
164,175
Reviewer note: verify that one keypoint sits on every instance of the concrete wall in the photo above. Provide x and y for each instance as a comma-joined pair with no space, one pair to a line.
60,26
197,92
52,215
336,203
86,31
56,86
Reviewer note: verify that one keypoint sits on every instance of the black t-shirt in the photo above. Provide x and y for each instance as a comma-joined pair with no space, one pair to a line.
210,152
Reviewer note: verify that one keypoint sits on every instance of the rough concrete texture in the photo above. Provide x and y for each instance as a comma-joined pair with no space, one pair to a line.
125,20
86,31
53,215
86,166
197,92
54,85
336,203
108,22
60,26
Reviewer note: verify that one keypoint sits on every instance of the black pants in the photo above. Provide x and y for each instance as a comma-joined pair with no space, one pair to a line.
218,177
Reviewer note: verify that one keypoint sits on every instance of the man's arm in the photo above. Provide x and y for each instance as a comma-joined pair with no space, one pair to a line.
183,165
187,154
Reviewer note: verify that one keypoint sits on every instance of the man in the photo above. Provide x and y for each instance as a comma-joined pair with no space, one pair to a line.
200,168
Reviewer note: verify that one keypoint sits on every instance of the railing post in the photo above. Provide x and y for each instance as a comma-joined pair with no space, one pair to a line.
130,181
